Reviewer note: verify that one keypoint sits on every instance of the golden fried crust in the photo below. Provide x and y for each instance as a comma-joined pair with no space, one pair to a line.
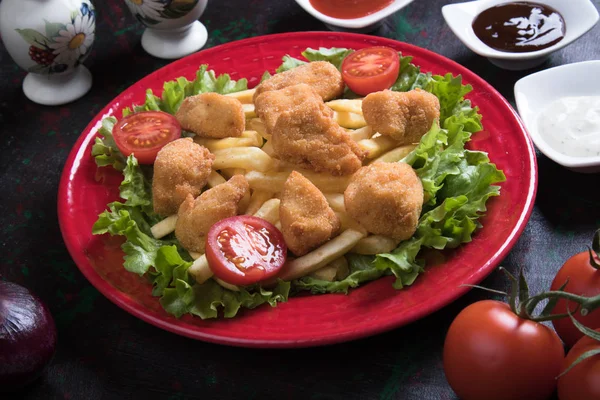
309,137
320,75
386,199
404,116
212,115
195,217
269,105
181,168
307,220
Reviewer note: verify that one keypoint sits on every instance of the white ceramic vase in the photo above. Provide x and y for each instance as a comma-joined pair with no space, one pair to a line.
50,39
172,26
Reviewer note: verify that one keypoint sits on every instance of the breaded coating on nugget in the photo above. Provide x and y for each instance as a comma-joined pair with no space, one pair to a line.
307,220
181,168
386,199
320,75
212,115
195,217
404,116
309,137
269,105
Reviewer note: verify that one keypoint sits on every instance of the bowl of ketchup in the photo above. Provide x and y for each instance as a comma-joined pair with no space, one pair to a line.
352,15
518,35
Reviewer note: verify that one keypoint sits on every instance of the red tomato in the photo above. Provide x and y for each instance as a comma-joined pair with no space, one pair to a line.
584,280
371,69
145,133
490,353
244,249
583,380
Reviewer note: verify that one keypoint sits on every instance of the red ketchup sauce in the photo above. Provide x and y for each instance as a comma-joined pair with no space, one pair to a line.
349,9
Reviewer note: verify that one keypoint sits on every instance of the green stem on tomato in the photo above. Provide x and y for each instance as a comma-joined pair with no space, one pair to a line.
585,304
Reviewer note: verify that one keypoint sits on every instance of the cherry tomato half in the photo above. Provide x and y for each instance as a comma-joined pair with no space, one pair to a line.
583,380
371,69
584,280
491,353
145,133
244,249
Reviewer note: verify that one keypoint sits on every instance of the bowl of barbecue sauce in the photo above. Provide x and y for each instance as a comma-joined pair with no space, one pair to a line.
518,35
352,15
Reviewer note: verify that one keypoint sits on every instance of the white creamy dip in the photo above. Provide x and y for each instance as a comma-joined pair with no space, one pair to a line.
571,126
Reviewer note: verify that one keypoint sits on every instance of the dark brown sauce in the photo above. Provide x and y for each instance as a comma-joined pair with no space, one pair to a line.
519,27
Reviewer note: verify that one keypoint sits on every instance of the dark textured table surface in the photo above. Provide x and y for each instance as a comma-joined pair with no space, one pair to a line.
105,353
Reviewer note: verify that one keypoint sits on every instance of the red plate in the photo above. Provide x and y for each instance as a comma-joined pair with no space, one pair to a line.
306,320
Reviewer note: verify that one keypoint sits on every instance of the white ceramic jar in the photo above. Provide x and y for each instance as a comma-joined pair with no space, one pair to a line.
172,26
50,39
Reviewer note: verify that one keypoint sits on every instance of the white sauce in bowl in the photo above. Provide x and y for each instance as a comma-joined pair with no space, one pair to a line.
571,126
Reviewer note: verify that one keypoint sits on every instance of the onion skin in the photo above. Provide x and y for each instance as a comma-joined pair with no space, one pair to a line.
27,336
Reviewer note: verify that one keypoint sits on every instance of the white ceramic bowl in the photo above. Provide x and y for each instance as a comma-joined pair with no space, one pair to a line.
535,92
579,16
363,24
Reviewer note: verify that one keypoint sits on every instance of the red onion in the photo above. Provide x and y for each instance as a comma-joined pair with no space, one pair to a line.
27,336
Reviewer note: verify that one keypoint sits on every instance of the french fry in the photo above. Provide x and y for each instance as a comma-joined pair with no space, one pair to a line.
396,154
361,133
200,269
249,110
335,270
326,273
255,136
242,157
349,120
269,211
377,145
215,179
346,105
321,256
257,199
375,244
273,181
336,201
245,96
226,285
219,144
257,125
164,227
348,222
229,172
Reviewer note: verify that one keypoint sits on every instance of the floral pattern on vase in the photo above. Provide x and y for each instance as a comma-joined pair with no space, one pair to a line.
62,46
152,12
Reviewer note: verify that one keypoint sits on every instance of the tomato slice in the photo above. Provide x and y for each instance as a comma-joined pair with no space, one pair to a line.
144,133
371,69
244,249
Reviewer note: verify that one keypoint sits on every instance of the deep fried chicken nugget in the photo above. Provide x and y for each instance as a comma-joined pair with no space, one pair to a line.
309,137
404,116
195,217
269,105
386,199
212,115
181,168
307,220
320,75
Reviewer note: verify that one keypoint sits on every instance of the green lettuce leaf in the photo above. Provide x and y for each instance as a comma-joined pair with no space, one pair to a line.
136,188
105,150
410,76
362,269
333,55
140,248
